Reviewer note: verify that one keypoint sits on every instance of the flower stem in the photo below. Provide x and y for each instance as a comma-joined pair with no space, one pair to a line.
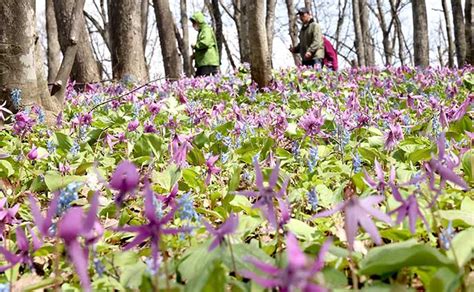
232,255
355,280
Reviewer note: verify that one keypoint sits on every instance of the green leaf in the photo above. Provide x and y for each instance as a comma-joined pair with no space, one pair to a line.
63,141
463,247
420,155
467,164
393,257
196,157
458,217
154,142
168,177
368,153
445,280
467,205
54,181
192,179
211,280
6,169
235,179
301,229
131,276
334,278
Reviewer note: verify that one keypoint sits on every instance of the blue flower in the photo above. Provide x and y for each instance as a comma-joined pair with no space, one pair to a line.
50,146
313,158
67,196
15,95
227,141
357,163
447,236
187,211
313,199
295,148
75,148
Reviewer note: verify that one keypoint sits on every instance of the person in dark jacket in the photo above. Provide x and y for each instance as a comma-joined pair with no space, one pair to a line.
205,53
330,55
311,46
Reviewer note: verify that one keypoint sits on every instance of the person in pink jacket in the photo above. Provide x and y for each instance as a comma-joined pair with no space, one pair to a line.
330,55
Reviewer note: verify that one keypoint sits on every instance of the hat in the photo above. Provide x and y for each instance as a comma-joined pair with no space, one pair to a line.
302,10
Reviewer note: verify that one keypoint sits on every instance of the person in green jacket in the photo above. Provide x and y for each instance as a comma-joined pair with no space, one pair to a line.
311,46
205,53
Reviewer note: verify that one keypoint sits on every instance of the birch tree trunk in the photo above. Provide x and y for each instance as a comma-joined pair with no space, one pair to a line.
359,38
269,24
187,65
469,14
85,68
420,34
290,7
366,36
53,49
449,33
126,36
169,48
260,61
459,32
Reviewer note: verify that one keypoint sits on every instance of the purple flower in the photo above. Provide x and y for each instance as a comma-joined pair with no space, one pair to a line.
312,122
44,223
380,184
125,180
133,125
393,136
7,215
23,124
85,119
24,254
33,154
228,227
180,146
170,199
211,168
148,127
75,224
266,194
155,227
358,212
298,274
409,208
443,166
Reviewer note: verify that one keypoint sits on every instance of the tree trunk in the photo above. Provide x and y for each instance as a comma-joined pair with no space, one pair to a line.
144,22
290,7
187,65
126,35
387,44
216,16
449,33
359,37
85,69
420,34
20,64
244,42
459,32
269,23
366,36
469,14
54,50
260,61
169,48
